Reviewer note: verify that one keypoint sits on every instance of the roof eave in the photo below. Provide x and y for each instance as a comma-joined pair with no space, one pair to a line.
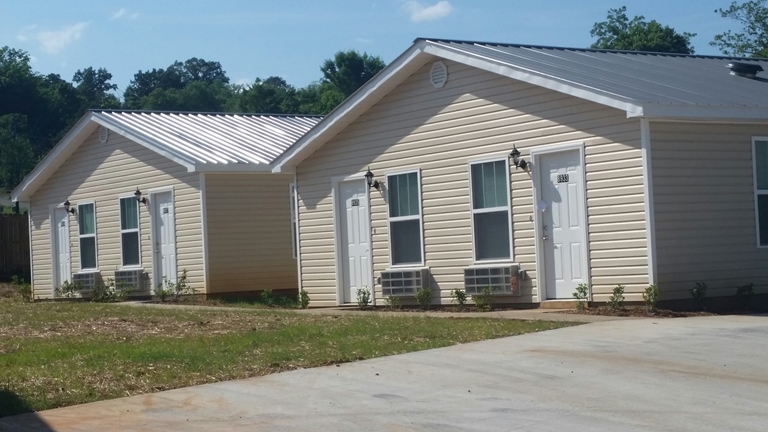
703,113
232,168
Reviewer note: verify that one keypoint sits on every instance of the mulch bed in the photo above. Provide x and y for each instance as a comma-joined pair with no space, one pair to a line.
640,313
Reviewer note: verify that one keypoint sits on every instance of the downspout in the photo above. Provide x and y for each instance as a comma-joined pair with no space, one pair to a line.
650,223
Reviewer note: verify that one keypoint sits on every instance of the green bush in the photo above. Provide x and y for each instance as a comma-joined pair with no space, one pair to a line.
459,296
651,297
176,289
699,295
616,301
303,299
268,297
392,302
744,295
581,294
23,289
424,298
109,293
363,298
484,300
68,289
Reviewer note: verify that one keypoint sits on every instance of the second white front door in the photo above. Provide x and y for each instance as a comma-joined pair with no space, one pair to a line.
61,249
354,237
164,237
562,196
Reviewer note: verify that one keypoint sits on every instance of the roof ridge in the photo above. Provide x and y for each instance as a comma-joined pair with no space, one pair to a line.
206,113
595,50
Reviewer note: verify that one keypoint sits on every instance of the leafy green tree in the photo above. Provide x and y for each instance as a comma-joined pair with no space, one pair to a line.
94,88
18,84
619,33
752,41
349,70
272,95
16,156
197,96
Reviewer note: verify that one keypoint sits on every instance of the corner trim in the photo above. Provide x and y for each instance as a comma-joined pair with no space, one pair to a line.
650,217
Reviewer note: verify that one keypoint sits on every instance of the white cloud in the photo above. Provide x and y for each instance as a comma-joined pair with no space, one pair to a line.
54,41
420,12
124,13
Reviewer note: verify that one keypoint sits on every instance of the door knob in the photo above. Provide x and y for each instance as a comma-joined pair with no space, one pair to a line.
545,237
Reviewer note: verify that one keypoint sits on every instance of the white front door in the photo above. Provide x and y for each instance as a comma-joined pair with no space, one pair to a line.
164,237
355,233
62,266
562,229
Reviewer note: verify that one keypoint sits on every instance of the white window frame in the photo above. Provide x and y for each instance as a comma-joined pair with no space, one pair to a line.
294,199
81,236
122,231
473,211
757,192
391,219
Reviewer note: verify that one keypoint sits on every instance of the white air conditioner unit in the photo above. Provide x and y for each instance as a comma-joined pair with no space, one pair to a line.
86,280
500,279
130,279
404,282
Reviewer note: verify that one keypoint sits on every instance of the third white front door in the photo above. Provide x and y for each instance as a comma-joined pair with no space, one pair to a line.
354,230
164,237
562,193
61,250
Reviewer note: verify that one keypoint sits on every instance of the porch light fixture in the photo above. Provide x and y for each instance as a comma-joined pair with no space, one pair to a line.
137,194
519,163
68,207
371,182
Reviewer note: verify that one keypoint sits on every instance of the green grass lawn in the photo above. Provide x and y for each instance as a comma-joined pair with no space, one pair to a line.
59,354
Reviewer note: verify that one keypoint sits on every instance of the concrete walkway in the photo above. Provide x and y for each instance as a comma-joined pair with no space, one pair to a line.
691,374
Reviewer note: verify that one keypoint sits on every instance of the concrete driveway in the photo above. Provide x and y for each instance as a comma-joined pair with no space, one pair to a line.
692,374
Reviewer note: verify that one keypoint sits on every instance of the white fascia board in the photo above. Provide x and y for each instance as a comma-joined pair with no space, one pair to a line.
54,159
350,109
537,79
231,168
145,141
700,112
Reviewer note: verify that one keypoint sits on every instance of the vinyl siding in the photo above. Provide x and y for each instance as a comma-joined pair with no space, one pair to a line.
704,208
477,115
249,232
103,173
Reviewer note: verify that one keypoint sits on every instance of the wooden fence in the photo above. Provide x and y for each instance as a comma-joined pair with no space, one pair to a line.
14,246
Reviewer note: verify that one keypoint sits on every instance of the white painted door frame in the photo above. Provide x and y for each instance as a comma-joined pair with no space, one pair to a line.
153,222
338,246
536,153
56,278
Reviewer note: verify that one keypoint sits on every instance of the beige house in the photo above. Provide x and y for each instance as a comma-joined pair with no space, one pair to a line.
142,196
532,170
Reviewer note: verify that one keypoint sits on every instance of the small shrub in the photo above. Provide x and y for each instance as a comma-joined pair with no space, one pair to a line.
303,299
68,289
484,300
459,296
392,302
268,297
616,301
581,295
651,297
699,295
176,289
162,292
23,289
424,298
363,298
109,293
744,295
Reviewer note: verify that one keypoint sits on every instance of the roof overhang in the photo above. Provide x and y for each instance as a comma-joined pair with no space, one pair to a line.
702,113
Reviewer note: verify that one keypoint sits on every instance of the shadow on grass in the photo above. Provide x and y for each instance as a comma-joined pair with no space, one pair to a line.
11,406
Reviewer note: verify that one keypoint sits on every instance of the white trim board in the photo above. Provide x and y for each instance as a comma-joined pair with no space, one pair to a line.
650,215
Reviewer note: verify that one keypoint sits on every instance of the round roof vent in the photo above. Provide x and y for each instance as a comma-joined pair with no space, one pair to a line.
103,134
438,75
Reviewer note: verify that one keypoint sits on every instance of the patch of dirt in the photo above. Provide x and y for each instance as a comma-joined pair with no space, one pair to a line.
638,312
7,290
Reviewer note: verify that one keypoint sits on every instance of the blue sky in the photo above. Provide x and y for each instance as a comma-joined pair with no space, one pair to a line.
291,38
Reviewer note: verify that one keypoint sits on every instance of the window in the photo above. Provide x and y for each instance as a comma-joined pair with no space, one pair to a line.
86,220
129,232
404,202
294,218
490,210
761,190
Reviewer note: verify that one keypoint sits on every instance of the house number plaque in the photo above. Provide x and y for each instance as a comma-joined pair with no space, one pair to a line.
562,178
355,203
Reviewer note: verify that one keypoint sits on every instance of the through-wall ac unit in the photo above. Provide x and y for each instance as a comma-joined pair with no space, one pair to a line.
404,282
130,279
500,279
86,280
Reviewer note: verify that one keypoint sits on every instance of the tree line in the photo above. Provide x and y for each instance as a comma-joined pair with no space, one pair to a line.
37,110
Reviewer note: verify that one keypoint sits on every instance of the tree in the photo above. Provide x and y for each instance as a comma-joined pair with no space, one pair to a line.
272,95
94,88
753,40
16,156
619,33
349,70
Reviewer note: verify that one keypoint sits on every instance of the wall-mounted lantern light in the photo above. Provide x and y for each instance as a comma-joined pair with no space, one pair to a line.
137,194
68,207
371,182
519,163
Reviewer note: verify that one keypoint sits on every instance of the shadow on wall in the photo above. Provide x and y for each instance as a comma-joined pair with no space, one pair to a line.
12,405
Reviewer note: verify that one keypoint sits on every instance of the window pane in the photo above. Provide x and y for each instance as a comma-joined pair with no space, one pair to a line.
130,248
478,199
406,242
88,253
86,219
403,195
500,175
761,164
489,185
129,213
394,196
492,235
762,215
